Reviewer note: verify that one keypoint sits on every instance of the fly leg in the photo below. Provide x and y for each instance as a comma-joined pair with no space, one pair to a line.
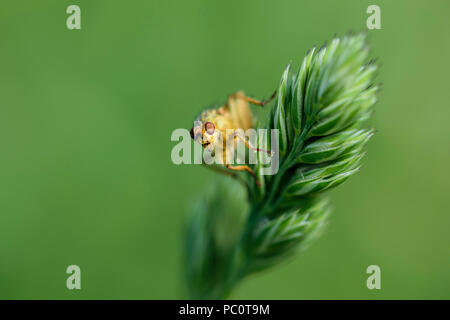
244,168
248,145
225,172
238,104
262,103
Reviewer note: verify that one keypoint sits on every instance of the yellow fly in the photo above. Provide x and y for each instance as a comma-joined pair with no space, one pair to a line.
217,129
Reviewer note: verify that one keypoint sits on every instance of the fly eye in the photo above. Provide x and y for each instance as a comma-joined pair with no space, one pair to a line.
209,127
192,133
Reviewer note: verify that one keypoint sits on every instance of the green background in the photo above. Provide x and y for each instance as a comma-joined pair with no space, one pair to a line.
86,116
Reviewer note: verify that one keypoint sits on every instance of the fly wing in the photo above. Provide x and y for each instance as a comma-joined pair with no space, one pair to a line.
240,112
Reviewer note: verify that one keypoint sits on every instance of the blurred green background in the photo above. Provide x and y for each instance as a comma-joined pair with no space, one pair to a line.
86,117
